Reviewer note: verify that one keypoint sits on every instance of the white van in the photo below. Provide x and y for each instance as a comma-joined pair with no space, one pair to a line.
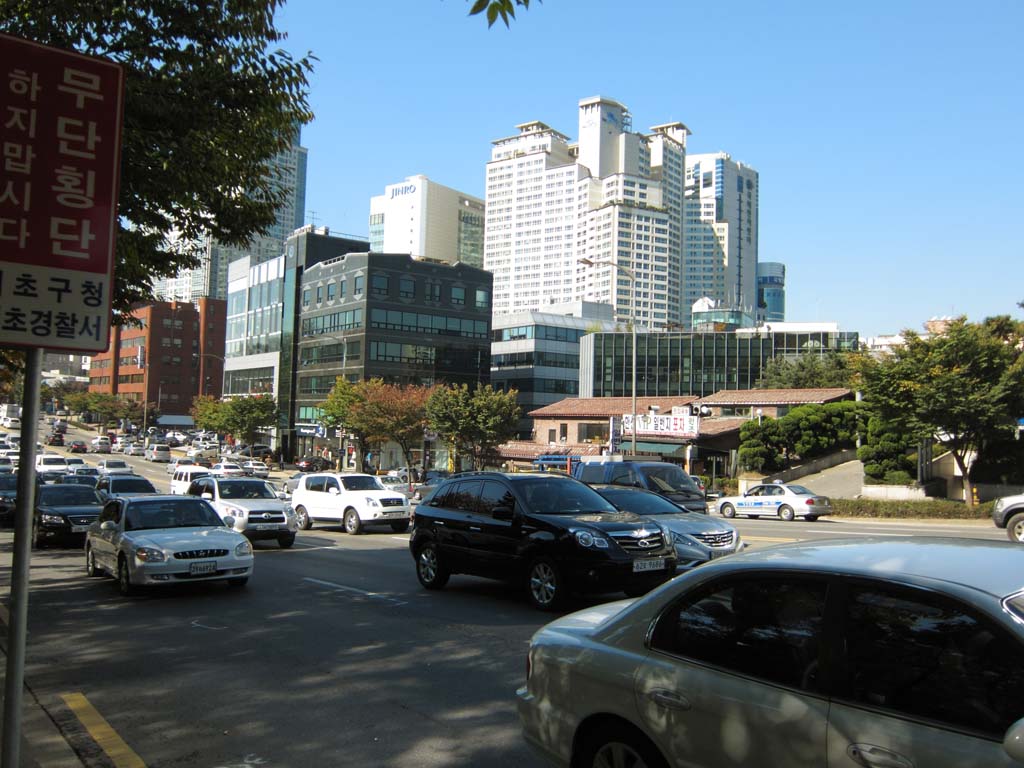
184,475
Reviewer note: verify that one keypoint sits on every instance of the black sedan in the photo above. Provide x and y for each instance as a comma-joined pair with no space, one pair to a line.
313,464
63,514
8,496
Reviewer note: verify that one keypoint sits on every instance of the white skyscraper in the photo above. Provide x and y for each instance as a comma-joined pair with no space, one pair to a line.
721,232
615,198
210,278
428,220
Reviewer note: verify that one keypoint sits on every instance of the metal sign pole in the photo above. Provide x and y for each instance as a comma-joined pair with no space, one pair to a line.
17,629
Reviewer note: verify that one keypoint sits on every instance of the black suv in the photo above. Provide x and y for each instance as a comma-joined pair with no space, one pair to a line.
555,534
665,479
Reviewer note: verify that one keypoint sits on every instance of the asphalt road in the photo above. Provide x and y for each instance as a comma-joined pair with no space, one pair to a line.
332,656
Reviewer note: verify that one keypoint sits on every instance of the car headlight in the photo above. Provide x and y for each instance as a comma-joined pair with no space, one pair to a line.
288,511
243,548
372,502
590,540
149,555
235,512
52,519
998,506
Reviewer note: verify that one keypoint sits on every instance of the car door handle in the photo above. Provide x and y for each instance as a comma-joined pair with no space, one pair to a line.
669,699
871,756
475,528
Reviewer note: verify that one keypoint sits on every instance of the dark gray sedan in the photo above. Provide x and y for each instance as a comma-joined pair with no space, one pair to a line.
697,537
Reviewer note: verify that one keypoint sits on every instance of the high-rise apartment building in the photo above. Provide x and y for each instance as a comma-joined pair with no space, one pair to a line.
614,198
771,292
721,232
210,278
420,217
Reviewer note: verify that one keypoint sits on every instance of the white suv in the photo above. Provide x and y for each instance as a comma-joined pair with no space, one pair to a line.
256,508
353,499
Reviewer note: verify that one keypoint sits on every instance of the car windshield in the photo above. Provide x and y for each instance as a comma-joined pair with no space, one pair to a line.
799,490
641,503
52,461
115,464
245,489
361,483
559,495
171,513
131,485
66,495
79,480
668,478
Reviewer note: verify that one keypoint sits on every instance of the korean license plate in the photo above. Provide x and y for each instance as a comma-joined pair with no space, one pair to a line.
204,566
394,514
263,527
655,564
720,553
79,528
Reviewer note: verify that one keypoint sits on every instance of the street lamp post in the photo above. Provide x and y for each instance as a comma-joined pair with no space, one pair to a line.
632,311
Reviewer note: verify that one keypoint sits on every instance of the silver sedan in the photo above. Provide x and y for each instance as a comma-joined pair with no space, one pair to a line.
785,501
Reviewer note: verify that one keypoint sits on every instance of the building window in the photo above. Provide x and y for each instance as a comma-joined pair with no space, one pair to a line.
458,295
307,295
331,287
483,299
341,289
380,285
407,288
353,350
433,292
319,294
357,288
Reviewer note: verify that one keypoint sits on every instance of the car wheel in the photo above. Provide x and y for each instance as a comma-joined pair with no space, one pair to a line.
810,518
544,585
124,578
401,527
728,510
285,542
238,583
1015,527
302,518
91,569
430,569
617,744
786,513
37,541
353,525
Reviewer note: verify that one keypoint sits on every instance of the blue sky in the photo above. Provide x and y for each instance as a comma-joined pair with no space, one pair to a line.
886,134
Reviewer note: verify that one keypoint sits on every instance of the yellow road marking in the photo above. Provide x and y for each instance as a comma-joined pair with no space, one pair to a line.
120,754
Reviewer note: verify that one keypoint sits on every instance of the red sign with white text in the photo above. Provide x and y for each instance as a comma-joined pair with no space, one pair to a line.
60,149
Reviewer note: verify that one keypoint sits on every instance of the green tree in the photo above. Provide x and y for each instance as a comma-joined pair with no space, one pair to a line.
762,446
810,371
105,407
963,388
209,412
473,423
498,9
209,101
886,452
246,417
403,412
343,409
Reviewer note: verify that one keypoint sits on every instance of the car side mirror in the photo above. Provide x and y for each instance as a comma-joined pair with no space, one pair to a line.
108,525
1013,741
334,491
502,513
282,495
229,521
208,496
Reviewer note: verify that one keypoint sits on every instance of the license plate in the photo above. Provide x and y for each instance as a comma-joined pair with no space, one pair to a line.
79,528
657,564
720,553
205,566
263,527
395,514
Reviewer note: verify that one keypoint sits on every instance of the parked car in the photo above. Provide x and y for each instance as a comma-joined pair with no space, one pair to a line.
313,464
256,469
550,532
164,540
698,482
782,500
1008,513
658,476
178,461
227,469
397,484
8,497
860,652
78,446
257,509
158,452
203,451
698,538
114,467
357,500
6,465
110,486
63,513
12,422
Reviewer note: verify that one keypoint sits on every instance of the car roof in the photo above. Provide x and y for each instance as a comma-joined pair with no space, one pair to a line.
992,567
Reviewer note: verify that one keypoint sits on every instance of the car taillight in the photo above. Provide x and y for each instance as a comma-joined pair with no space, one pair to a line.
810,502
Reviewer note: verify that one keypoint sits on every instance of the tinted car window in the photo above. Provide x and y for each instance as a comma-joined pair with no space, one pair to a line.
764,628
668,477
928,657
358,483
131,485
8,482
592,473
621,475
183,513
640,502
558,496
315,484
245,489
66,495
494,494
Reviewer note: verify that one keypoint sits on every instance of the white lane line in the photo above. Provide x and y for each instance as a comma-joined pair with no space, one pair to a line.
363,592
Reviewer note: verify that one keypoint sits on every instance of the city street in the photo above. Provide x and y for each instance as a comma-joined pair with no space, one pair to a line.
333,654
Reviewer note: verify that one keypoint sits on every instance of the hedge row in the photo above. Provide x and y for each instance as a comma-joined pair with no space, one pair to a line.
931,508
